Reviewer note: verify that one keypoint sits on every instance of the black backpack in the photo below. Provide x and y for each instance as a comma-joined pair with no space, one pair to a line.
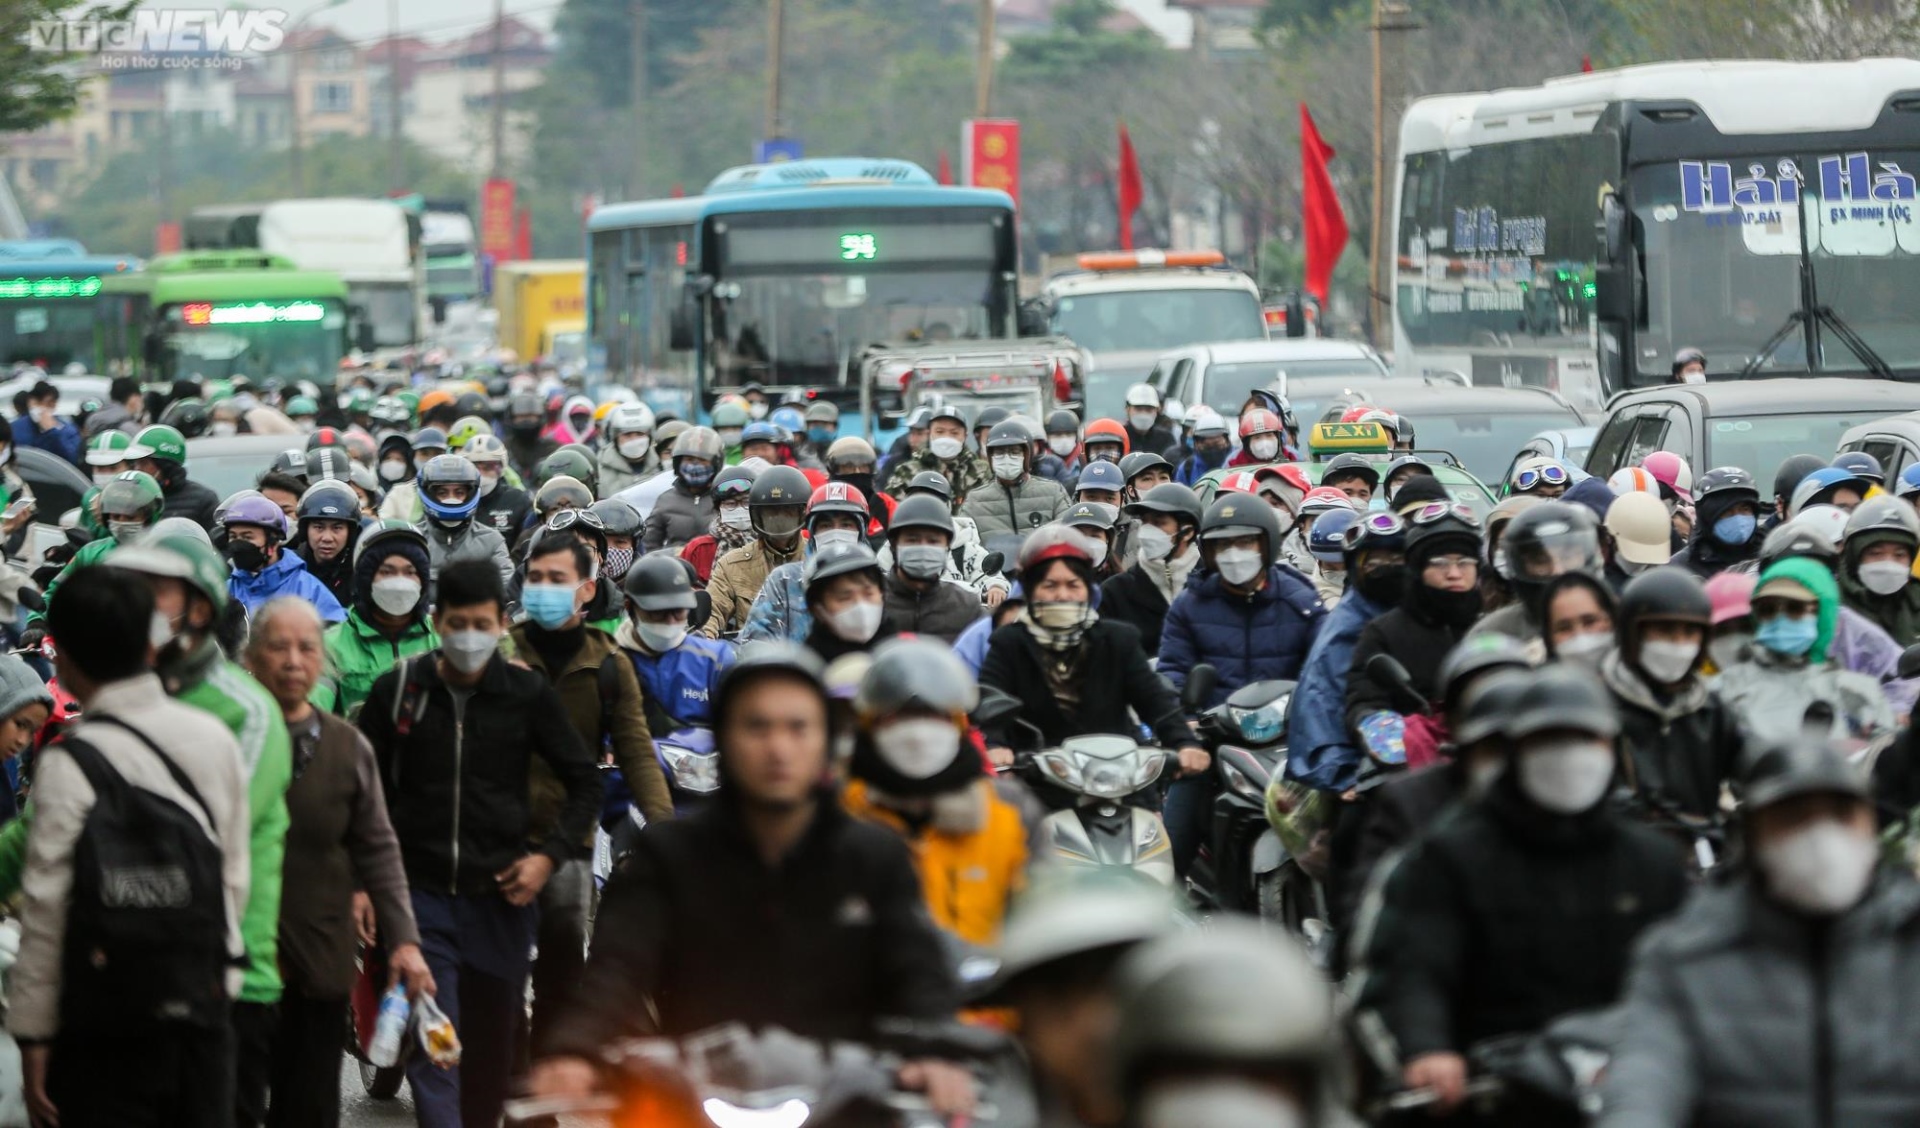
146,935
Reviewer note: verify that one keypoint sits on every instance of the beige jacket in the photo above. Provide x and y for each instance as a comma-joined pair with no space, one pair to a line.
737,577
202,748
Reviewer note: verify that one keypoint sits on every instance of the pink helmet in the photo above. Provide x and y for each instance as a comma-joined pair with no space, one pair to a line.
1672,471
1731,594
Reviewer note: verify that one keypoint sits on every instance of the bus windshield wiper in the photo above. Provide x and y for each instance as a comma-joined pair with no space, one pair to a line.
1823,316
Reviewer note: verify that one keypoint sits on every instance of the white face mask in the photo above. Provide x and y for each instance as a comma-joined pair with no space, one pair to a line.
1009,467
1218,1101
1585,648
918,748
1884,577
394,470
945,446
1238,566
1142,420
223,427
921,561
1668,662
757,409
159,630
1566,775
1821,869
1062,445
396,595
1729,649
856,622
1264,448
834,536
635,448
469,651
1693,376
660,637
489,482
738,517
1152,544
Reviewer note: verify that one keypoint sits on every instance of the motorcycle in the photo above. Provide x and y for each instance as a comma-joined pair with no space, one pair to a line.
687,759
1243,865
1547,1078
1092,782
730,1077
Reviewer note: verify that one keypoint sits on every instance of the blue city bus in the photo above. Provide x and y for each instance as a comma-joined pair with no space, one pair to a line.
49,303
780,274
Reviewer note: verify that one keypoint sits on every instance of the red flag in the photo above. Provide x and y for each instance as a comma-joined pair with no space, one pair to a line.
1586,64
1130,191
1325,223
945,175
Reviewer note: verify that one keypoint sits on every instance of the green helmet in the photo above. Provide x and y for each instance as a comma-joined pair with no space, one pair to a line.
300,406
359,401
178,557
564,463
387,531
111,448
409,397
167,444
132,495
89,514
466,429
730,415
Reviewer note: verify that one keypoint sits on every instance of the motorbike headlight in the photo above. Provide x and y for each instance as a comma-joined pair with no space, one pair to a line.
1061,769
1264,725
787,1114
1108,781
1149,770
692,771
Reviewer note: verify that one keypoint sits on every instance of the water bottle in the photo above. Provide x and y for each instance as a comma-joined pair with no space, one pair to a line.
390,1028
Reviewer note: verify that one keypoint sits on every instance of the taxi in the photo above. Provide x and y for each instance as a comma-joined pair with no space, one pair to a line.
1375,443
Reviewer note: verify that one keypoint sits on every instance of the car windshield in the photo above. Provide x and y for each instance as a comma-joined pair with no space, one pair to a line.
1484,442
1723,243
1157,320
1760,443
1229,384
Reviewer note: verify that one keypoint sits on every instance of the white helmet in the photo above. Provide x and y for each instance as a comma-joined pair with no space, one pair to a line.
1633,479
1642,530
628,418
1143,395
484,448
1829,521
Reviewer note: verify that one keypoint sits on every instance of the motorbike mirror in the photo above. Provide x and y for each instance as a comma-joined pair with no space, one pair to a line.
702,611
994,705
994,561
1201,682
1908,667
32,600
1393,677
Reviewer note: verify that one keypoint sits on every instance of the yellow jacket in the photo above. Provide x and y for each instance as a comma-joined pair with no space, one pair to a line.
967,875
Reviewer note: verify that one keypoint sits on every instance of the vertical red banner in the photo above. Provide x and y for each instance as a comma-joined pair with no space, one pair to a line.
990,150
496,219
523,235
166,237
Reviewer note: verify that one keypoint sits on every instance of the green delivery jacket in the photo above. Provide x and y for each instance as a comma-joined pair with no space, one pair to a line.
206,680
358,654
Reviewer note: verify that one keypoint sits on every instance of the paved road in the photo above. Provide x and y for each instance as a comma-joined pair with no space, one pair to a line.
357,1111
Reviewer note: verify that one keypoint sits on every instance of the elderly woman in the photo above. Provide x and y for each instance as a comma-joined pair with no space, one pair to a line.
338,840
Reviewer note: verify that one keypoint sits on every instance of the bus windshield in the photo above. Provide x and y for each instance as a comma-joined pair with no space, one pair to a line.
1723,243
48,332
788,328
1157,320
292,340
389,309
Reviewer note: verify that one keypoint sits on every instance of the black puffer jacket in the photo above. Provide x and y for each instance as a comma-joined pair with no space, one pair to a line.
1132,597
1674,751
1394,814
1113,677
942,610
1415,640
190,499
1505,917
824,942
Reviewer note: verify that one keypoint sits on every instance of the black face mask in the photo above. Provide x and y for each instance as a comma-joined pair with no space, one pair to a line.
246,555
1383,586
525,428
1456,609
861,482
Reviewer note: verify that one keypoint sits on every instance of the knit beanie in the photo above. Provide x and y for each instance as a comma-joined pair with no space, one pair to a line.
20,686
370,562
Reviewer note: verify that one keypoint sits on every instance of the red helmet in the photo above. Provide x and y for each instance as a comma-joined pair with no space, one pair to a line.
1240,481
1259,421
1356,413
1056,542
838,497
1290,474
1107,431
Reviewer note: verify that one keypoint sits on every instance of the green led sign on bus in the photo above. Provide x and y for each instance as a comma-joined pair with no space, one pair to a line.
14,289
859,246
252,313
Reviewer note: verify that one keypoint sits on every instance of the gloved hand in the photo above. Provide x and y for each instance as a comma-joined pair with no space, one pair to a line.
1384,737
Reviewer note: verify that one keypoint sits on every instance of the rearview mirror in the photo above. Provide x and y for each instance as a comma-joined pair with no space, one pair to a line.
992,563
994,704
1611,299
1909,665
680,323
1613,227
1201,682
1393,677
891,419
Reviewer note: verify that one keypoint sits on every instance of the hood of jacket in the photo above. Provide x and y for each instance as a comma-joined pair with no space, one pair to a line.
1814,576
1897,614
274,576
1627,684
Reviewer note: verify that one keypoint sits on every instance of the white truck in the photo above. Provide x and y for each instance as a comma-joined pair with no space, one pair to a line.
1125,309
367,243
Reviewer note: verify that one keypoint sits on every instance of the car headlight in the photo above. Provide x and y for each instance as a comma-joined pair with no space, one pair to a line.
1264,725
692,771
787,1114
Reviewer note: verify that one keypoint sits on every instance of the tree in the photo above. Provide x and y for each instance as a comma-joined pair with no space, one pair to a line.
43,85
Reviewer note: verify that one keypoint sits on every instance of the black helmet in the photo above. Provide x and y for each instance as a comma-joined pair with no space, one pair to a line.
1242,515
329,501
1880,520
1007,433
838,560
430,438
1726,485
1171,498
1792,471
992,417
328,464
1686,356
657,582
617,517
292,463
1454,529
1671,594
1346,465
565,461
1779,770
563,491
188,416
1475,654
949,411
1061,421
1559,696
922,512
526,403
1792,538
1546,540
1487,703
1139,462
780,486
931,481
734,481
472,403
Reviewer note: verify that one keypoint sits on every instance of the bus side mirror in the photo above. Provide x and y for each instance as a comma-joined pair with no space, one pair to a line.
1613,228
680,323
363,336
1612,300
1033,317
439,307
1296,315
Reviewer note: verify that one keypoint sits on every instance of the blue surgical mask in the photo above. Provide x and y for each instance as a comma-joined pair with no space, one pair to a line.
1791,637
549,605
1734,529
1377,504
821,436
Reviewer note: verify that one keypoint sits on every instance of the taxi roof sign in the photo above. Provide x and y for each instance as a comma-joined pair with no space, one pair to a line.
1366,438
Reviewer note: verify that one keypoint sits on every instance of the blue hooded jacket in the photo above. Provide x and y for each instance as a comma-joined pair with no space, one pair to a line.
285,576
1247,638
681,681
1320,750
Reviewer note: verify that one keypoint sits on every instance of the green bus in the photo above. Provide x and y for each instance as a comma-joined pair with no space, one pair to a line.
218,314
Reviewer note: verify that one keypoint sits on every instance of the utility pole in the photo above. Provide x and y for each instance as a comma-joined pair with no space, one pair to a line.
637,96
983,79
396,161
297,167
776,46
499,88
1388,16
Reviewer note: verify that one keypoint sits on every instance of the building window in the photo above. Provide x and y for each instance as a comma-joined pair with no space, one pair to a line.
333,98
